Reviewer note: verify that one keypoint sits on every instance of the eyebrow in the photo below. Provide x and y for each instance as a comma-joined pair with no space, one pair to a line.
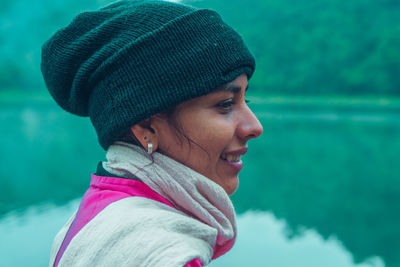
232,88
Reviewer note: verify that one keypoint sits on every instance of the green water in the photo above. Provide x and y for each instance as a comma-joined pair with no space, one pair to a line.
324,165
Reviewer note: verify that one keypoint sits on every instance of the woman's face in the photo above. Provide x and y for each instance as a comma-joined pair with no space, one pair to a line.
218,126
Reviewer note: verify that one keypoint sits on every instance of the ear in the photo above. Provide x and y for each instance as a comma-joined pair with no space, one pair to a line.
145,134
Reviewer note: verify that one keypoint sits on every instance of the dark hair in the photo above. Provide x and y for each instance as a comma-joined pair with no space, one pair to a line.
171,116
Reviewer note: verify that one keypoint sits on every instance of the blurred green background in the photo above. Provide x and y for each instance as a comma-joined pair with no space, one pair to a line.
326,89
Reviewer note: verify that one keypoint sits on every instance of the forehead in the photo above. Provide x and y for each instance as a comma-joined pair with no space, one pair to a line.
236,85
234,88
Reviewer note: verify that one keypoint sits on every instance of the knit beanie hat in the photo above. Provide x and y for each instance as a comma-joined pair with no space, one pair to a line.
133,59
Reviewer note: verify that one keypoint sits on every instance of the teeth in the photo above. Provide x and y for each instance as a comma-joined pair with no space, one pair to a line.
231,157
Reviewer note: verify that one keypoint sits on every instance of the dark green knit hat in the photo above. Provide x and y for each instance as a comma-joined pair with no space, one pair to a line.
133,59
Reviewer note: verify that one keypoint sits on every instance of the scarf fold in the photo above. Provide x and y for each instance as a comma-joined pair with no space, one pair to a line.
190,192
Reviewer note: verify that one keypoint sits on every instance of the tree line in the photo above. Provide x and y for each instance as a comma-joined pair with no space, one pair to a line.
302,47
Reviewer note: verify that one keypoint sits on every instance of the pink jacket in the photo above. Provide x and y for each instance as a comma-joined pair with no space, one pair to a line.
102,192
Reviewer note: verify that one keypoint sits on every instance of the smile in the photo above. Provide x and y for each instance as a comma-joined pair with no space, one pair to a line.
231,158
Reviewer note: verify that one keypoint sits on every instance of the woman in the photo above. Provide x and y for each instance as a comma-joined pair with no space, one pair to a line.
164,86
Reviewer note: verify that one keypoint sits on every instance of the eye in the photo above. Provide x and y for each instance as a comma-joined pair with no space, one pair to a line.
226,105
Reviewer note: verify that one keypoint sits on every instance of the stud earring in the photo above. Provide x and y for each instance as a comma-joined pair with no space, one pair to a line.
150,148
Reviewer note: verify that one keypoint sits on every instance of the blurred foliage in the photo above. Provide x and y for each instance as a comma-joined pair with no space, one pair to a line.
301,47
24,26
319,47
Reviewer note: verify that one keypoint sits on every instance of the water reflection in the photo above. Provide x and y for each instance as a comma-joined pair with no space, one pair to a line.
339,178
46,155
263,241
26,236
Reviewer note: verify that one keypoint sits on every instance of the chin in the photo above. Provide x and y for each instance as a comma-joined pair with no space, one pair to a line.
231,188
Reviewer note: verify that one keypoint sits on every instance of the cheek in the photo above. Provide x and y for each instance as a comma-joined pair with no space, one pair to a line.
210,135
169,142
213,136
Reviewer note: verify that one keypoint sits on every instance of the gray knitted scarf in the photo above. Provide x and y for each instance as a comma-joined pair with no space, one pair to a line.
190,192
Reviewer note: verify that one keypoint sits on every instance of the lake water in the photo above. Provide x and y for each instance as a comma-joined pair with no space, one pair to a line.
262,237
321,187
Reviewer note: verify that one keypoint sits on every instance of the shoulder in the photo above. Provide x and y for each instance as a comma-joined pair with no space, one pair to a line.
137,229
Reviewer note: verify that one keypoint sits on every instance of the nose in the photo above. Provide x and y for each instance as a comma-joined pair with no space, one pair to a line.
249,126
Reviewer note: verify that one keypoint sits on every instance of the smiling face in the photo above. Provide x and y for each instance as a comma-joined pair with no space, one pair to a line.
218,126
